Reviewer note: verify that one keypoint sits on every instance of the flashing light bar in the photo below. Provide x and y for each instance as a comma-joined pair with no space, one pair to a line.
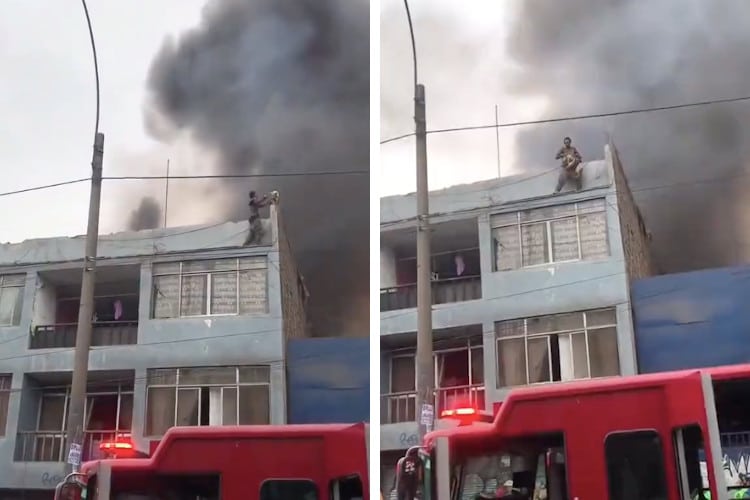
116,445
459,412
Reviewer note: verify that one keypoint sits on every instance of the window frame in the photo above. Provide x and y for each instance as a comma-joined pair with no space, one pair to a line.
242,264
519,224
585,329
15,317
287,480
6,386
199,387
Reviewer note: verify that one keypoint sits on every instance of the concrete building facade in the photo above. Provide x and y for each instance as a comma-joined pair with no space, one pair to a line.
190,329
528,288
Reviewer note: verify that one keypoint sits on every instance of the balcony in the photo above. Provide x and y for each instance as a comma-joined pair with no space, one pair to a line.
444,291
400,407
105,333
49,446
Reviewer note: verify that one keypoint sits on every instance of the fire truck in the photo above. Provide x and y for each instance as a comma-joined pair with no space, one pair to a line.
644,437
232,462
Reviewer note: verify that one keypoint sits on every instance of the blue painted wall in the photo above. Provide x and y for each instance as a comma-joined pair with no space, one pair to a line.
328,380
691,320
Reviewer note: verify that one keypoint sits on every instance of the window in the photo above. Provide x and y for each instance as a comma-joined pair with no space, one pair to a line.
557,347
347,488
635,466
459,380
224,395
210,288
5,380
560,233
11,299
288,489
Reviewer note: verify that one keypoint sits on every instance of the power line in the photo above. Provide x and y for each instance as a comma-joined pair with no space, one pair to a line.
171,177
573,118
237,176
46,186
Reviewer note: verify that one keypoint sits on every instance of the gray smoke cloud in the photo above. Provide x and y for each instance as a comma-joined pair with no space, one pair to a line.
590,56
593,56
148,215
274,86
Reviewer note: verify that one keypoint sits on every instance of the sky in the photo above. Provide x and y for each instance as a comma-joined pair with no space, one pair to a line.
47,101
446,35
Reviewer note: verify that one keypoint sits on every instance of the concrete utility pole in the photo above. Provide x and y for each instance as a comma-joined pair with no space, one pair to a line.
85,314
424,361
424,365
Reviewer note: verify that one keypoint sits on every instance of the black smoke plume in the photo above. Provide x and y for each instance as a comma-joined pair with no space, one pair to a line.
148,215
590,56
594,56
274,86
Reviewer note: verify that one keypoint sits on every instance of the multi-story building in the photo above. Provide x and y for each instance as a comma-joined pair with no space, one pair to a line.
527,287
189,329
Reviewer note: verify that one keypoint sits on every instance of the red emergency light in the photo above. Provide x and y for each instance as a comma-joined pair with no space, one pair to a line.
117,449
117,445
458,412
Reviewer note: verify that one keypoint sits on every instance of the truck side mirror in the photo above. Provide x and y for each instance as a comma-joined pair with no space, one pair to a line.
71,488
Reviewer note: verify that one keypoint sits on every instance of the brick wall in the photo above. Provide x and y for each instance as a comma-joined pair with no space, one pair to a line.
293,291
635,239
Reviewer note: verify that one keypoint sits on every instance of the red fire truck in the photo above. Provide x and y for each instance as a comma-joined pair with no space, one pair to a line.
242,462
645,437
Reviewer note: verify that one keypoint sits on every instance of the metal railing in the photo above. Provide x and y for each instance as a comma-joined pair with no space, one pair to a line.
104,333
398,407
49,446
444,291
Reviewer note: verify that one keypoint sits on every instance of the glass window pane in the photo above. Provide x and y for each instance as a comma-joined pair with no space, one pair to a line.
224,293
564,239
603,352
254,405
507,241
253,292
580,356
510,328
126,412
635,466
209,375
498,220
602,317
555,323
229,406
511,354
162,376
402,374
159,410
546,213
253,263
598,205
477,366
166,295
4,400
15,280
593,229
51,412
287,489
535,247
187,407
165,268
10,305
539,360
255,374
194,295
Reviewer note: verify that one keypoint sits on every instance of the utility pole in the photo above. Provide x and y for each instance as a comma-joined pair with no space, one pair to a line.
76,422
424,362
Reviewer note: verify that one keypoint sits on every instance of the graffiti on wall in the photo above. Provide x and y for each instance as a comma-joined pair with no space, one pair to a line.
51,480
736,461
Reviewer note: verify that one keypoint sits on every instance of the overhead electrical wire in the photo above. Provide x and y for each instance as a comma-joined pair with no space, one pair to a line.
573,118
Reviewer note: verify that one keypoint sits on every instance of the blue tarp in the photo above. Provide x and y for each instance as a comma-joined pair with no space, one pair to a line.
328,380
692,320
